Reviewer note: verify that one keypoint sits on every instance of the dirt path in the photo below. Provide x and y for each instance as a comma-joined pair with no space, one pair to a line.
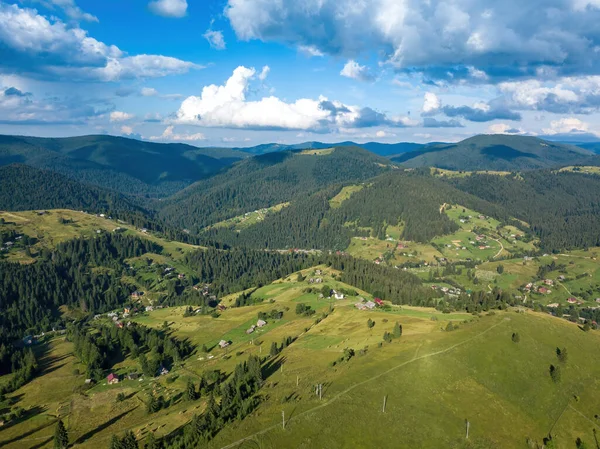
352,387
501,248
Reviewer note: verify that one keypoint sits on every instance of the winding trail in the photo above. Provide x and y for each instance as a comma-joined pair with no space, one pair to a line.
352,387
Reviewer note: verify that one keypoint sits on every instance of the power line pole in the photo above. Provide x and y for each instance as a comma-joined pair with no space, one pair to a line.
283,419
297,380
468,425
320,391
384,402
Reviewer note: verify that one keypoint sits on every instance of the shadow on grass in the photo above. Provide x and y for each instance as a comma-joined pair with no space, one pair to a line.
272,366
42,444
86,436
27,415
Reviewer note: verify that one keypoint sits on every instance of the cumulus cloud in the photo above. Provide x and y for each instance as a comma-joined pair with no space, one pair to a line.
354,70
503,128
169,8
23,108
33,44
215,39
579,95
431,103
126,130
119,116
450,40
227,106
479,112
169,134
569,125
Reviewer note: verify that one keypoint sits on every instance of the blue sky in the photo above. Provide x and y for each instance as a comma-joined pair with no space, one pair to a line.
245,72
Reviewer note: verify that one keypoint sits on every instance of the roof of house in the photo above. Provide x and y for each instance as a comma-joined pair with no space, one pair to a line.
111,376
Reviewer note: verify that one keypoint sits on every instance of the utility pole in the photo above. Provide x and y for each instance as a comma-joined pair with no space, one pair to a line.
297,380
384,402
468,425
320,391
283,419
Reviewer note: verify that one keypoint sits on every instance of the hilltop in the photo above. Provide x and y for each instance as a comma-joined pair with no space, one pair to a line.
495,152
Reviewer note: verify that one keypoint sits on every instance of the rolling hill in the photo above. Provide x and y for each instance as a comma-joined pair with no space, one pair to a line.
125,165
25,188
495,152
268,180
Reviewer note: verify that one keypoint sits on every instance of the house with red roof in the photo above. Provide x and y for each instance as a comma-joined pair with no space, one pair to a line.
112,379
379,302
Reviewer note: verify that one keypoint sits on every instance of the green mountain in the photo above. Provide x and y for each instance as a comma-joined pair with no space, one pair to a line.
495,152
125,165
382,149
267,180
28,188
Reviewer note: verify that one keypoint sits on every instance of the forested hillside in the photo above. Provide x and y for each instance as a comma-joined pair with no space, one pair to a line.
495,152
27,188
267,180
125,165
563,208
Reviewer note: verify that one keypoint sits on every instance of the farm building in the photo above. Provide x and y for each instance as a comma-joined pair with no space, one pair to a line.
112,379
223,344
261,323
379,301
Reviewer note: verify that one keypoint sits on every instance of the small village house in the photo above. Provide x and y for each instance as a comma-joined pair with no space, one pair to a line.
223,344
112,379
261,323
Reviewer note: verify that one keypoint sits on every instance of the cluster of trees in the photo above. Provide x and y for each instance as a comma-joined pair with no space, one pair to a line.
238,399
304,309
239,269
396,333
276,349
153,348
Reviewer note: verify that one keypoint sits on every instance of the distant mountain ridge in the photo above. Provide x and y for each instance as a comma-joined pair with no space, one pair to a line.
496,152
125,165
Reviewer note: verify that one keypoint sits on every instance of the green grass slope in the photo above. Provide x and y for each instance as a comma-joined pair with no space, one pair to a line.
495,152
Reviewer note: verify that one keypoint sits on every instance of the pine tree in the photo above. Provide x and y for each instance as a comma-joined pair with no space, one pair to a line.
397,330
190,392
61,437
115,443
129,441
151,442
274,349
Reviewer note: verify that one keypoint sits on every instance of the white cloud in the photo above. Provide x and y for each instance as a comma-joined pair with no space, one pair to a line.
169,8
310,50
503,128
168,134
119,116
215,39
227,106
354,70
149,92
580,95
264,73
442,39
126,130
569,125
71,9
33,44
431,103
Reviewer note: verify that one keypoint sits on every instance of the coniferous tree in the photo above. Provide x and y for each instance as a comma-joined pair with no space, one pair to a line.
61,436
